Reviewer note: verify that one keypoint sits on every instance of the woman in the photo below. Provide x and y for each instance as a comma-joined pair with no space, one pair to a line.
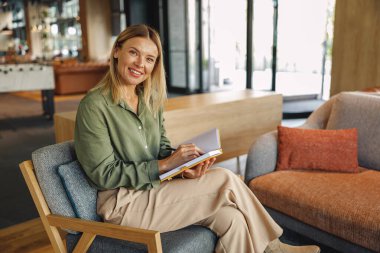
121,144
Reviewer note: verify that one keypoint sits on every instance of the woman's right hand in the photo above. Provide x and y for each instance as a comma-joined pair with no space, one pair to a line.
181,155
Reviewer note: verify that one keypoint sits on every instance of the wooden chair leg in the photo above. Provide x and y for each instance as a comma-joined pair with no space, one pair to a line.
84,242
42,207
154,246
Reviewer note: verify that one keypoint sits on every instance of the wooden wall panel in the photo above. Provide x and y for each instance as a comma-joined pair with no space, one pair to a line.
96,29
356,48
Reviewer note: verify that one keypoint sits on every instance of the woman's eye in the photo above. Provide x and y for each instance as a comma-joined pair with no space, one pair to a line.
150,60
132,52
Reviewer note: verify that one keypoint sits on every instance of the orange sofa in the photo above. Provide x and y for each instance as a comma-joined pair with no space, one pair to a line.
75,77
339,210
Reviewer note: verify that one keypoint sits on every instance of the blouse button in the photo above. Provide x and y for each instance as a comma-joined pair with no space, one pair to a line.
146,147
140,127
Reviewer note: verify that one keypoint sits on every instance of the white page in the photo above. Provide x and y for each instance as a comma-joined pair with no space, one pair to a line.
206,141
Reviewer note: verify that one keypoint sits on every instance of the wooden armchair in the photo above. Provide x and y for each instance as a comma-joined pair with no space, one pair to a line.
48,192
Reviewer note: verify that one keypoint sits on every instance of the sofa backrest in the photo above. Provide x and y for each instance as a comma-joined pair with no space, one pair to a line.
362,111
63,183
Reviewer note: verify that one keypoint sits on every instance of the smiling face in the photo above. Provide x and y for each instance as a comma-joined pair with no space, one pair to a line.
136,60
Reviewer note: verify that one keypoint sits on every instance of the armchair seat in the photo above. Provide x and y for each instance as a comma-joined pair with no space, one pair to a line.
333,202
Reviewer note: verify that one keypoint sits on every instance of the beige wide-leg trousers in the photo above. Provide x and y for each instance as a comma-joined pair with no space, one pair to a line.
218,200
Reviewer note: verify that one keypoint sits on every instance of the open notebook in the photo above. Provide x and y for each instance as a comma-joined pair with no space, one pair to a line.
209,142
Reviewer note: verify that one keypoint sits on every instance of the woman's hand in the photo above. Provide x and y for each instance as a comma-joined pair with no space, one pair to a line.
199,170
181,155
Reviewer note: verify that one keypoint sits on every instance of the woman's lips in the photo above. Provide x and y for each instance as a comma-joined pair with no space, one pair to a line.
135,72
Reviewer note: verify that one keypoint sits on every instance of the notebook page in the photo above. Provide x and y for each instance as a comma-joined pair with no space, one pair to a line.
206,141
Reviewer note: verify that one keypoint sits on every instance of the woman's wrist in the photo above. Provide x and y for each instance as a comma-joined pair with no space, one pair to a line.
163,166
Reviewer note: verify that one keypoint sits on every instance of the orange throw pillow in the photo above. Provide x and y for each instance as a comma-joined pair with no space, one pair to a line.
329,150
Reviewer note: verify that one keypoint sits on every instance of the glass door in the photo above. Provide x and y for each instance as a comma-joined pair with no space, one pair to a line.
224,43
263,20
301,46
292,42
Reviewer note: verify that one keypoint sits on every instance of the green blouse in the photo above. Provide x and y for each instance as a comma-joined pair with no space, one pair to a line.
116,147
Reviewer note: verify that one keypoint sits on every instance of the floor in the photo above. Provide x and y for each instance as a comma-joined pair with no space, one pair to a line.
26,237
23,130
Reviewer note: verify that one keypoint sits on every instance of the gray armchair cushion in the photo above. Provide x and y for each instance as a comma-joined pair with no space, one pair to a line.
81,194
192,239
262,156
361,111
46,161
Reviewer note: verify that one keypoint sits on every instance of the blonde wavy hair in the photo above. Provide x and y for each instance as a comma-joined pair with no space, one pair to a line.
154,87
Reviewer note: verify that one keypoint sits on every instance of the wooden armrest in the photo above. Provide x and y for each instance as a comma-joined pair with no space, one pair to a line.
92,228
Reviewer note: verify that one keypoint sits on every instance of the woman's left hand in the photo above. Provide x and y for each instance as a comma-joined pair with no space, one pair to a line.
199,170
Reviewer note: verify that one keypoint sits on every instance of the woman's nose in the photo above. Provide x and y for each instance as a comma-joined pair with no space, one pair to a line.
139,62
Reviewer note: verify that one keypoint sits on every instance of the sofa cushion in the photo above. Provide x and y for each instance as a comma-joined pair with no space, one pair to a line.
192,239
81,194
344,204
361,111
330,150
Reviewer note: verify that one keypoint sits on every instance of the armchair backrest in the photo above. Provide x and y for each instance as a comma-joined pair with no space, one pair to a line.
63,182
319,118
49,190
53,232
46,161
362,111
345,110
